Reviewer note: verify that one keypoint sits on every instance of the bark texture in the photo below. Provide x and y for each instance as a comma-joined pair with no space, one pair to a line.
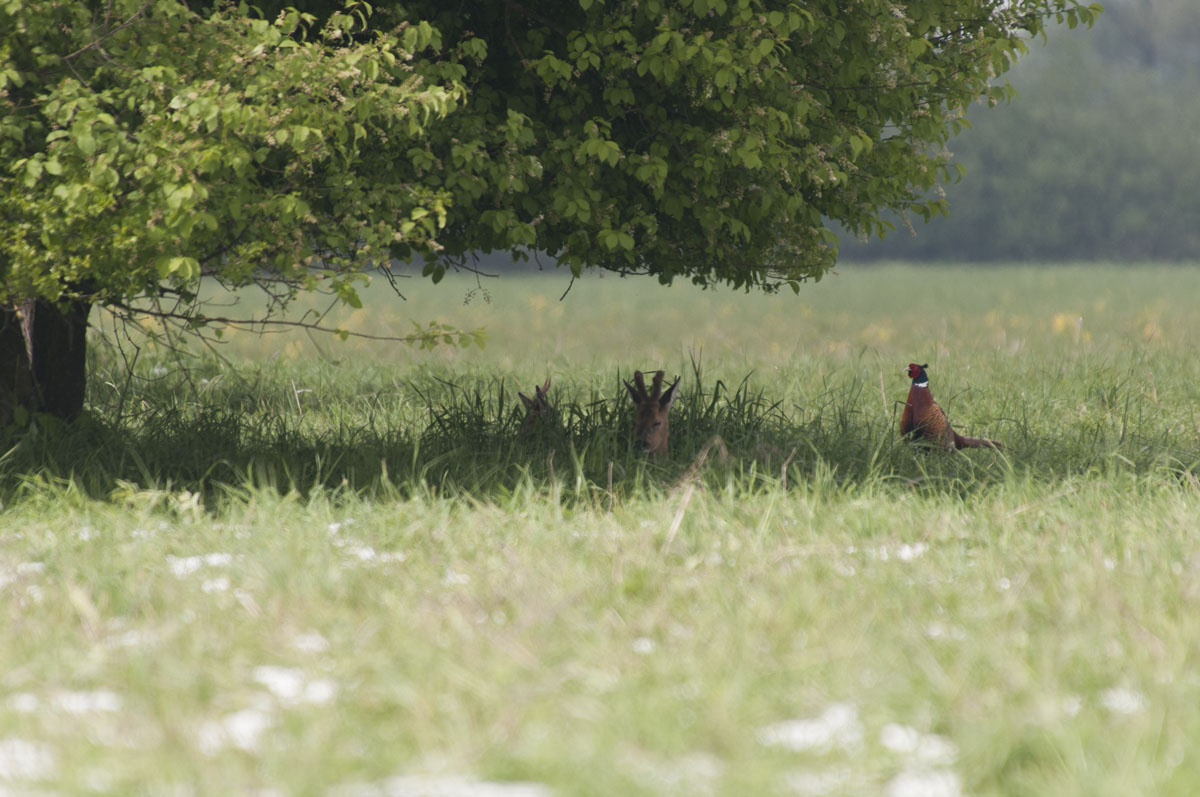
43,358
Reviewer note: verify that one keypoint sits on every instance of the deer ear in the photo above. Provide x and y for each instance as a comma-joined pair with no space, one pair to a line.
526,400
668,398
546,387
633,394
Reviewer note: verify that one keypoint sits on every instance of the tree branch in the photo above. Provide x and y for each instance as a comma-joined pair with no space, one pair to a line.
110,33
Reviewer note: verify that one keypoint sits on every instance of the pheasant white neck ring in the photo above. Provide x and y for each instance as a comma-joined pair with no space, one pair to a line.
921,384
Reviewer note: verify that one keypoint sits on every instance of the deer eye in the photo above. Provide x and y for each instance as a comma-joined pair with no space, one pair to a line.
657,424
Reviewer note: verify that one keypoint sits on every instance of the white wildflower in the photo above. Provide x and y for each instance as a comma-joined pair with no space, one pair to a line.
838,726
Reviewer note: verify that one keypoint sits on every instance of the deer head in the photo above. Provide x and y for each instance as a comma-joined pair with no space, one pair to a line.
537,409
651,425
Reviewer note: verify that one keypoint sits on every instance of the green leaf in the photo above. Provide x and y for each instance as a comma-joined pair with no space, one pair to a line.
349,295
33,172
178,195
186,268
103,176
84,140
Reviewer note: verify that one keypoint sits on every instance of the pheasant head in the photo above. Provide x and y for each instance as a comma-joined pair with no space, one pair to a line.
917,374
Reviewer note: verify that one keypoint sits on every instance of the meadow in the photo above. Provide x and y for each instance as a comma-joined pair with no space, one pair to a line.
289,564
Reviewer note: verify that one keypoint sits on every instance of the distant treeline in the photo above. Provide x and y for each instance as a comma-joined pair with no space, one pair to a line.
1098,158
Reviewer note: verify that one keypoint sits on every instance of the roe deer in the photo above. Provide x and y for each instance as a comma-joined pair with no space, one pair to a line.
652,426
538,410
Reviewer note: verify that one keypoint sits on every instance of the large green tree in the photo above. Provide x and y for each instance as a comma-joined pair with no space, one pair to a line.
151,144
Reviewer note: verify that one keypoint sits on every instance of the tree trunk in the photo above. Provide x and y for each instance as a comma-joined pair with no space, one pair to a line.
16,377
43,358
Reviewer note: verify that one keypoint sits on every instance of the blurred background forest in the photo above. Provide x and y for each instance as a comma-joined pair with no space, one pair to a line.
1098,158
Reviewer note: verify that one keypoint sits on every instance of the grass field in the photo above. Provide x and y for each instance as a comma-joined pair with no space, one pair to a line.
302,566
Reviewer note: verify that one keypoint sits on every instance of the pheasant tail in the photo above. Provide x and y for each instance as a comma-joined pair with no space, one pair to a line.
976,442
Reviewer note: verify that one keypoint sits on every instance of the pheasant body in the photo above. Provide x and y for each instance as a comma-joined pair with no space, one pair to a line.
924,421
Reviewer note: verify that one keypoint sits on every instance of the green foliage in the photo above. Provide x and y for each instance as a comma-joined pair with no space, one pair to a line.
712,140
263,150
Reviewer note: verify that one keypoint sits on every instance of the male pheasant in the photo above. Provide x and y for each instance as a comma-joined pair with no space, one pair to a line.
924,421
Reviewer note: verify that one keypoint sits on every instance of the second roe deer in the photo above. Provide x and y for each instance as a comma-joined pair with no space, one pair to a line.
652,428
538,410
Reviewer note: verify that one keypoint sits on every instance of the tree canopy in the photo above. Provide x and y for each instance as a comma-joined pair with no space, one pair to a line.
150,144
